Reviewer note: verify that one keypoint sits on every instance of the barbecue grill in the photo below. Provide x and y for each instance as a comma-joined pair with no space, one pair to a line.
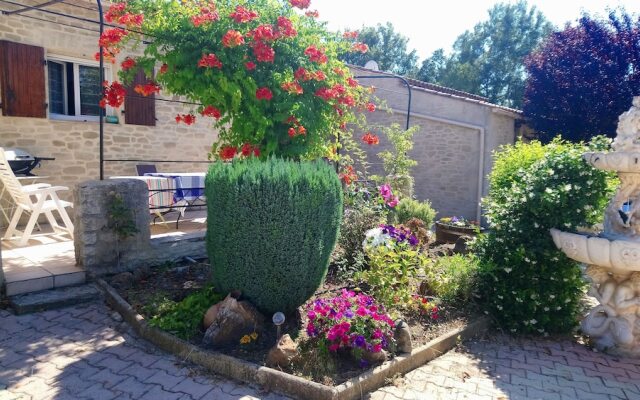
22,162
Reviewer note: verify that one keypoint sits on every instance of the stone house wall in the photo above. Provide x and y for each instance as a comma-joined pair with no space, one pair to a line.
453,147
75,144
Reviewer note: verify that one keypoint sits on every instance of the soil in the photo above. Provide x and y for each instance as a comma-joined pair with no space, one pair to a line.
176,281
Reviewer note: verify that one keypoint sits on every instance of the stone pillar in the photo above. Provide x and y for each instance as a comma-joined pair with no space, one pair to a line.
98,249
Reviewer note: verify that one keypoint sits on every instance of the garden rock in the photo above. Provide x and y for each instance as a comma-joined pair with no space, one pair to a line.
140,273
234,319
211,315
462,245
123,280
283,353
374,358
402,335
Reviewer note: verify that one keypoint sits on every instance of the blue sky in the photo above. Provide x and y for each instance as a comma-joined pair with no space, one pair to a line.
433,24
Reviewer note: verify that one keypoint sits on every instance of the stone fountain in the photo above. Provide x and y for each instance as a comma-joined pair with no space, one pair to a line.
612,258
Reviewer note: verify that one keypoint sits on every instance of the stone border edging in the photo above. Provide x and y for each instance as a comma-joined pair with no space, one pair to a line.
282,382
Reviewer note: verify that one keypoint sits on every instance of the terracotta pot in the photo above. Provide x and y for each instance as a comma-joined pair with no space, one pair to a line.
447,233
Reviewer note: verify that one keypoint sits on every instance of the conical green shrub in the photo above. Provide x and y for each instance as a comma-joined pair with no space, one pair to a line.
271,227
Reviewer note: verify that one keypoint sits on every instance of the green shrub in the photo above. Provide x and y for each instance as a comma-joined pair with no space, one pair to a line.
527,284
453,279
410,208
271,227
183,318
392,273
355,224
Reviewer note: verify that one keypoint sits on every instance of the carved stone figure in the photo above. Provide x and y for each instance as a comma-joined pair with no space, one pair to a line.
614,256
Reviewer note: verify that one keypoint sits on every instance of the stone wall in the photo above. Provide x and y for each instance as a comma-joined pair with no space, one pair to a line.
448,148
75,144
101,252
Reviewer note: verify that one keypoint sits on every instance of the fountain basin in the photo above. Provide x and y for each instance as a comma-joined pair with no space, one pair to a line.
618,161
621,256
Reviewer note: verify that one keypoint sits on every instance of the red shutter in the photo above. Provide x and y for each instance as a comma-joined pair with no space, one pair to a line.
139,110
22,89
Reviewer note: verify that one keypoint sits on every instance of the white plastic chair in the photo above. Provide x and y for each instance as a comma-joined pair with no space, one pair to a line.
34,199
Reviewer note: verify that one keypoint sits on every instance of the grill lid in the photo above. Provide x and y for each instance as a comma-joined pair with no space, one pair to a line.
14,154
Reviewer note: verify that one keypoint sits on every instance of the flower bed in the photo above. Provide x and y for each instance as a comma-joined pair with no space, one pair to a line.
322,324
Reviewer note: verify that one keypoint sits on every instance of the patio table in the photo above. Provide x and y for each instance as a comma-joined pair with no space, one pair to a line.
189,185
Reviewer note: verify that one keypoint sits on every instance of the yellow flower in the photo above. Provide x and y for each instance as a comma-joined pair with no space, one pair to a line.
254,336
245,339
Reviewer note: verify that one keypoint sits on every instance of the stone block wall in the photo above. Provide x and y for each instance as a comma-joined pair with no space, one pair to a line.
448,147
75,144
98,249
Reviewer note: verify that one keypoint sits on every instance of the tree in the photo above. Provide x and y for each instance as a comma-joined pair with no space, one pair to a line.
489,60
267,76
583,77
386,47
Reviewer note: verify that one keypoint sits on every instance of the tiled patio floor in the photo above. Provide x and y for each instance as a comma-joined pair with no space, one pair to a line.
48,260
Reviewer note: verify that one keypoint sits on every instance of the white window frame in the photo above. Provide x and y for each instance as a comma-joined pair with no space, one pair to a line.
77,62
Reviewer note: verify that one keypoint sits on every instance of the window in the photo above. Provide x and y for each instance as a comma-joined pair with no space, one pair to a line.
74,90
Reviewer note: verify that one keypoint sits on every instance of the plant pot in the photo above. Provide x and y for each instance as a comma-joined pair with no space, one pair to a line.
446,233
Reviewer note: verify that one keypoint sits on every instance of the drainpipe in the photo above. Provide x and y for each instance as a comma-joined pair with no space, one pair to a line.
481,130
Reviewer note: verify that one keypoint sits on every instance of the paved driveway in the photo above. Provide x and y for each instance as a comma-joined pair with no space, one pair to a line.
81,352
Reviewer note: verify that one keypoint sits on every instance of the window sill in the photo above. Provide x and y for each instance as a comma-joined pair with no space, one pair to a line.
73,118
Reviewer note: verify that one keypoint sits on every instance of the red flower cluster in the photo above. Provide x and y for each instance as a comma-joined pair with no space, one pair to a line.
206,15
319,76
250,65
209,61
113,94
348,175
188,119
338,71
302,74
164,68
326,93
292,87
107,55
242,15
315,55
128,63
285,27
293,132
352,82
147,89
348,101
227,152
263,52
370,107
232,38
264,93
211,111
360,47
111,37
263,33
350,34
301,4
297,128
117,14
248,149
312,14
370,139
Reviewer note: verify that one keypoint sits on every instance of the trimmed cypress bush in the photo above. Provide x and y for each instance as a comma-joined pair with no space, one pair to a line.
271,227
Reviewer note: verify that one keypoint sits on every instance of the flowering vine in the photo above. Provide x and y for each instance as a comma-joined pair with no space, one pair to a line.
252,65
